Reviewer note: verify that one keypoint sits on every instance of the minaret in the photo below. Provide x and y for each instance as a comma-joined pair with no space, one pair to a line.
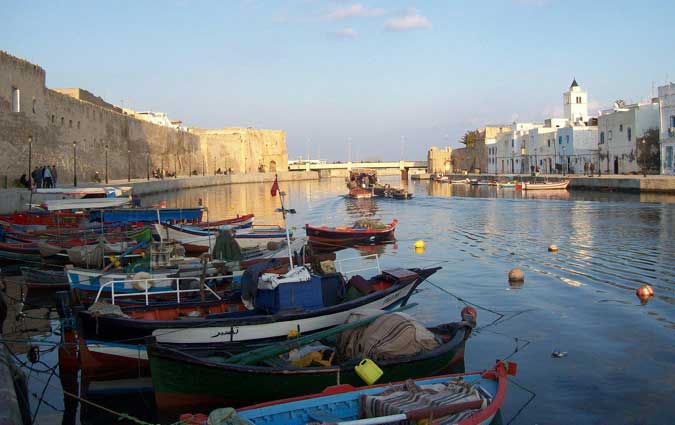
575,102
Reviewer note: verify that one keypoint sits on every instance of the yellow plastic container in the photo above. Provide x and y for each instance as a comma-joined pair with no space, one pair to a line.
368,371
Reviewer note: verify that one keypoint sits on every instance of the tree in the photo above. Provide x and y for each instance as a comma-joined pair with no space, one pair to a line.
470,138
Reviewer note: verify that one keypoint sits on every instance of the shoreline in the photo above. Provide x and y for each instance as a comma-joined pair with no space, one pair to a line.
15,199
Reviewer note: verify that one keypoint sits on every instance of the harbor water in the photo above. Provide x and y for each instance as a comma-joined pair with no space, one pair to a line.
588,350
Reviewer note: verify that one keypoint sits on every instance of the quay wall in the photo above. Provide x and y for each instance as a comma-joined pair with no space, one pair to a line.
12,200
75,131
649,184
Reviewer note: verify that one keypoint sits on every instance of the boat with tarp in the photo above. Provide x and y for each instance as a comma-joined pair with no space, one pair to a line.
401,348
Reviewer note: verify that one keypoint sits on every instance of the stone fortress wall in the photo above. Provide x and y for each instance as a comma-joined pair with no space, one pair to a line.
69,123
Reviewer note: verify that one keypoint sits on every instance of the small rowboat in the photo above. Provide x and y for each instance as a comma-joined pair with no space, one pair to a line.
184,377
200,240
348,236
460,181
239,222
546,185
41,278
344,403
506,184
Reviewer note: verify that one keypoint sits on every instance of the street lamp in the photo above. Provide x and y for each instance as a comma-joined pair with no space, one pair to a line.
74,163
564,160
147,165
175,166
30,156
128,165
106,163
190,165
644,159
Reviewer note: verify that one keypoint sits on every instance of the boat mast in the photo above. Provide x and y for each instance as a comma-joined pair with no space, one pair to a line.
283,212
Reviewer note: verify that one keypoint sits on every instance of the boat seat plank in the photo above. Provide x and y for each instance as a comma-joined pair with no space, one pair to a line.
322,416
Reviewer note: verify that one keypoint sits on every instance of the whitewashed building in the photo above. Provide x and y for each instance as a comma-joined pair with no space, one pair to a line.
491,133
509,148
619,132
667,121
575,102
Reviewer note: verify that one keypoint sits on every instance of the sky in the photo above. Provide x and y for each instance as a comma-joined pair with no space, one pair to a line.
388,78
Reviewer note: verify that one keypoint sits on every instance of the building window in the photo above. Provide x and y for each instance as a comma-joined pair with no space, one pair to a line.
34,106
512,143
602,137
548,142
672,121
70,123
78,125
560,140
52,118
567,140
629,133
16,100
578,99
62,121
609,135
620,128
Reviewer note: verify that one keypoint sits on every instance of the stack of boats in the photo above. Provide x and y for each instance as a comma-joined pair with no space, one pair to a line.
254,318
363,184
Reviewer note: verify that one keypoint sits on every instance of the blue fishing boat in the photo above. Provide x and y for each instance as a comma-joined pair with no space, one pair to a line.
136,215
461,399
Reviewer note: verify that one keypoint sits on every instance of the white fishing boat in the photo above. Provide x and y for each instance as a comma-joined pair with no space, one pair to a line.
84,203
561,185
86,192
460,181
197,240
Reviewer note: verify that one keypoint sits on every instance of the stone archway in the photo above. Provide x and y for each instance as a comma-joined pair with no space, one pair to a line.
273,167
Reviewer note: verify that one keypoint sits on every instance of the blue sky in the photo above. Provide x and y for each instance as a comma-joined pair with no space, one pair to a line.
389,76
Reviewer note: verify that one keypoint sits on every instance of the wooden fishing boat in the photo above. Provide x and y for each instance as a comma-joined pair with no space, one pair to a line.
363,232
560,185
344,403
239,222
398,193
198,240
86,192
139,215
460,181
84,203
184,377
45,218
360,193
305,306
506,184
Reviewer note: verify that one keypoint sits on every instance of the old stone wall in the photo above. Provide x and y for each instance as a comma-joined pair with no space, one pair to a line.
76,131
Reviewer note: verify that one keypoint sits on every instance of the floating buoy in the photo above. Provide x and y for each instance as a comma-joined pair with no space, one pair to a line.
419,251
516,275
469,315
553,248
419,244
644,292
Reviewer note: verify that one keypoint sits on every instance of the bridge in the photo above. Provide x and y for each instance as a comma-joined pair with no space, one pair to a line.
401,165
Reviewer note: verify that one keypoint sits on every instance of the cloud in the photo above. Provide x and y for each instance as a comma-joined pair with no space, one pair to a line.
344,33
412,20
353,11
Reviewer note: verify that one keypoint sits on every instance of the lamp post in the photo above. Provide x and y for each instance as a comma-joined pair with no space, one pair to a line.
190,165
147,165
203,166
106,163
564,160
75,163
644,159
175,166
30,157
128,165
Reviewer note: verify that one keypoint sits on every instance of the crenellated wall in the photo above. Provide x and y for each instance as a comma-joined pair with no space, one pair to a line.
66,124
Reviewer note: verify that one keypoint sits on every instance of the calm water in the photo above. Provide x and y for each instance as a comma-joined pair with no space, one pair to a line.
581,300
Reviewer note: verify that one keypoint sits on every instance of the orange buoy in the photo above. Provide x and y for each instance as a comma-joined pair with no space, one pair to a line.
644,292
469,315
553,248
516,275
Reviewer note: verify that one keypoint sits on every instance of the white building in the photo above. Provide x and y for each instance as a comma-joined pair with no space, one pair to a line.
619,131
578,147
667,136
491,132
509,148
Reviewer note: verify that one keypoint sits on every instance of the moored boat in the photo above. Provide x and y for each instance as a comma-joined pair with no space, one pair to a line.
183,377
561,185
436,395
238,222
137,215
362,232
197,240
300,302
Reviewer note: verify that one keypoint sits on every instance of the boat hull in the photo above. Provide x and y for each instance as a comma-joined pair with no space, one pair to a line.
182,380
546,186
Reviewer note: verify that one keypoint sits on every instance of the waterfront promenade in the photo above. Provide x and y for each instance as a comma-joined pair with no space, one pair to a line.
612,182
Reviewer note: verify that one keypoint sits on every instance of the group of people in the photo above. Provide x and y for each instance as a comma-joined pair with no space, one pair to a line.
40,177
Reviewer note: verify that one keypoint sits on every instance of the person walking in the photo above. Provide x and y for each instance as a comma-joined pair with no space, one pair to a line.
53,170
585,168
47,176
38,177
591,169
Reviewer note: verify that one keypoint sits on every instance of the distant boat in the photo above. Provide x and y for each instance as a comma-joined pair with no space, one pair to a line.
361,233
460,181
358,193
546,185
506,184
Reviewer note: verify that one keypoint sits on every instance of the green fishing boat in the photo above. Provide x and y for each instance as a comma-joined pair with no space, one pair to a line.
206,377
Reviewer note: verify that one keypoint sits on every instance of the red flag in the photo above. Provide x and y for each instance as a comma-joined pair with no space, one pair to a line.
275,187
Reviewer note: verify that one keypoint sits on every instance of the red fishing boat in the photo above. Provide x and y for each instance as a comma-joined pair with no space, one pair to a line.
238,222
362,232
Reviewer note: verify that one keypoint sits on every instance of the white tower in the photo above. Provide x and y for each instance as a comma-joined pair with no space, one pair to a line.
576,104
